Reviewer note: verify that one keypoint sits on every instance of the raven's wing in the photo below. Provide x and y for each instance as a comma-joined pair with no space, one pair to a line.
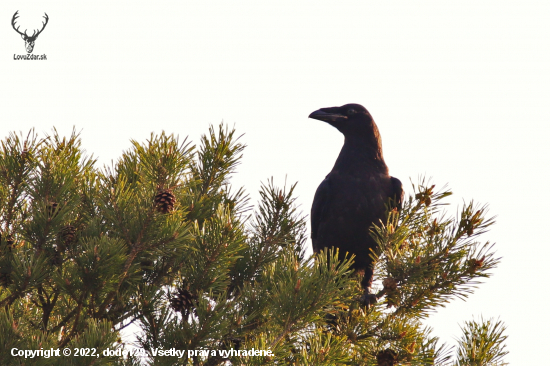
397,192
318,210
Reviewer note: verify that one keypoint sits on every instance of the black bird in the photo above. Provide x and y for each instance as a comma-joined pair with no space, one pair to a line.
355,193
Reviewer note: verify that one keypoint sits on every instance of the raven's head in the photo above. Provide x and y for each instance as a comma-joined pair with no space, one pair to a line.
348,119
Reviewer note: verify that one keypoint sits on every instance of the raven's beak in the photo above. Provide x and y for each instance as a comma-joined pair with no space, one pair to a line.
328,115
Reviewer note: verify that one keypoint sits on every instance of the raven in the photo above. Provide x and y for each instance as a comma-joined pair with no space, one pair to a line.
355,193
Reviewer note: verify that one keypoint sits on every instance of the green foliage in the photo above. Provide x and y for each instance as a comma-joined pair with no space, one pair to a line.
482,343
429,258
161,242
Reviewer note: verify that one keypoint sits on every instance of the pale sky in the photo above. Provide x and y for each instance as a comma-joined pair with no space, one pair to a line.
459,89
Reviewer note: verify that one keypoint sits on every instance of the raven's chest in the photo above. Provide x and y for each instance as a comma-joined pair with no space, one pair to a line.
359,195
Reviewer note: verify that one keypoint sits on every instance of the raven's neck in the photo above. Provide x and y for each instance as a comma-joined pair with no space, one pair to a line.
360,155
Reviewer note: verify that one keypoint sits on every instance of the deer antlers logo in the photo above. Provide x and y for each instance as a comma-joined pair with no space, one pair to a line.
29,40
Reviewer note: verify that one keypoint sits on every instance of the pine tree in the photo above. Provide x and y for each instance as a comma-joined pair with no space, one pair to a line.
162,240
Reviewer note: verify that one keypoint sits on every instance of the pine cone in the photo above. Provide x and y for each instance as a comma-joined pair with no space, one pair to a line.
68,235
474,265
387,357
183,301
165,200
389,284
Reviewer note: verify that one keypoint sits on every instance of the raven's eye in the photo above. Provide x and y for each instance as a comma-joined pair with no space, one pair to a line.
351,112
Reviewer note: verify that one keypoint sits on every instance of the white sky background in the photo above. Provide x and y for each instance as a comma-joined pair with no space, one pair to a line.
460,92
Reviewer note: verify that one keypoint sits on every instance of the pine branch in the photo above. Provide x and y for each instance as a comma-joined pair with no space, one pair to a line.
482,343
160,237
